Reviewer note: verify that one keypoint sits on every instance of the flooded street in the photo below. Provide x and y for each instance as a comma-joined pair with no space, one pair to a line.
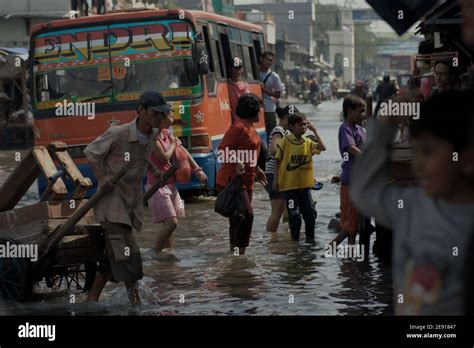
276,276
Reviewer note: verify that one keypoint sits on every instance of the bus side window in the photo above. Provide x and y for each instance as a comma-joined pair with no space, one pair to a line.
248,55
249,62
227,53
260,40
216,50
220,62
258,44
238,52
211,77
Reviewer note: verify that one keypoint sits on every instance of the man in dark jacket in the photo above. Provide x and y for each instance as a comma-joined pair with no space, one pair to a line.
384,91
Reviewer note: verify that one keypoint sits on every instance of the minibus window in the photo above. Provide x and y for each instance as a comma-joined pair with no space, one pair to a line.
220,62
227,53
78,83
248,63
211,77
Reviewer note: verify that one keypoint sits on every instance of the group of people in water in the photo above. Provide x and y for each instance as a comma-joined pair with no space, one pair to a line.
432,222
288,178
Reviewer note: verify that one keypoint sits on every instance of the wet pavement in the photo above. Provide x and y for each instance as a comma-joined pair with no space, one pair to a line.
276,276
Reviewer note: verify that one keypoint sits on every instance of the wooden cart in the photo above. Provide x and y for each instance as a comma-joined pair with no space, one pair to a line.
62,240
60,226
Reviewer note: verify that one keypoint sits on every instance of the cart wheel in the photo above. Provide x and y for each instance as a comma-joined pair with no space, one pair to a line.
16,280
79,276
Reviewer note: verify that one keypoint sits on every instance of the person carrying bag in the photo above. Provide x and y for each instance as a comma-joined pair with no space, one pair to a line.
230,201
236,176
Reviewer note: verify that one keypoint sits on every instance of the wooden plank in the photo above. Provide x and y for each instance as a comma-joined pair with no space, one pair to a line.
81,190
18,183
71,242
73,256
34,232
23,216
41,211
54,223
74,249
81,184
48,168
62,209
39,230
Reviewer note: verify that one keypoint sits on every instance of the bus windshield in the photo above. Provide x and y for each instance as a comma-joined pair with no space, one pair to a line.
115,63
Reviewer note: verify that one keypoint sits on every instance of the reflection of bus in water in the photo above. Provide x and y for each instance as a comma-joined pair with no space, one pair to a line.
110,60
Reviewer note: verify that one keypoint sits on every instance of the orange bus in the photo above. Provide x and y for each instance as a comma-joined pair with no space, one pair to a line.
109,60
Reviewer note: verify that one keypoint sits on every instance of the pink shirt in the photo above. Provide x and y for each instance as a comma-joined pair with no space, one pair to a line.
236,90
165,140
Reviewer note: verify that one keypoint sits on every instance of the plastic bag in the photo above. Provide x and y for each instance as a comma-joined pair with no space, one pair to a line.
184,173
230,201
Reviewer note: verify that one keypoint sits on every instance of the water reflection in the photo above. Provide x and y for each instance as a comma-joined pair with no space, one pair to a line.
238,279
359,288
300,264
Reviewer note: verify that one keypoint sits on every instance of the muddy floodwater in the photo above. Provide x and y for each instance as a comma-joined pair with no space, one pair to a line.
200,277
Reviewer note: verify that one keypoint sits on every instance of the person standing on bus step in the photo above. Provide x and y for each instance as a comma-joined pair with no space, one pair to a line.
166,205
237,87
120,210
242,136
271,90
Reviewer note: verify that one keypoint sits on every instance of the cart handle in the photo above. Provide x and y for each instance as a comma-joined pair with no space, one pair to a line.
52,180
160,183
62,230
